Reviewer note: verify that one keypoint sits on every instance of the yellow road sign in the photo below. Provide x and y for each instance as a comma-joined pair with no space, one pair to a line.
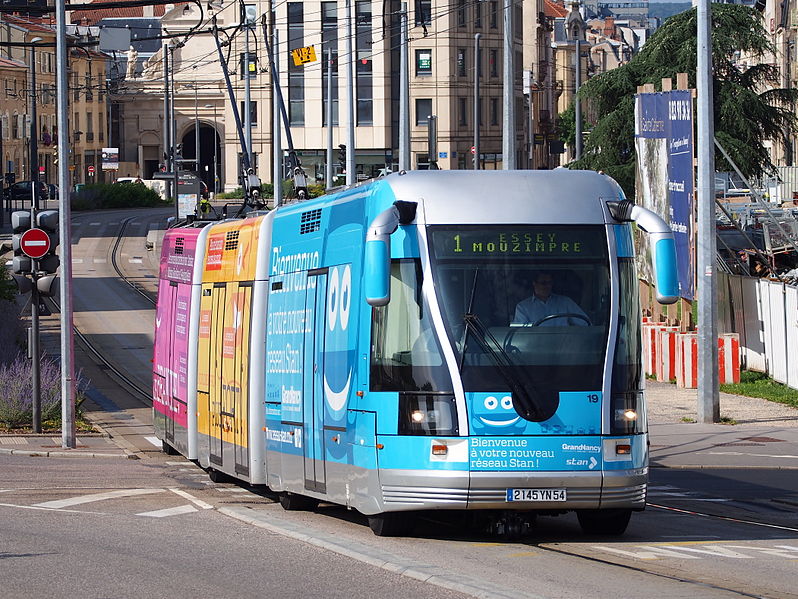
304,55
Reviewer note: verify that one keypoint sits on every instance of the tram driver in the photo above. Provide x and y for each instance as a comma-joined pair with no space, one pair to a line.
545,308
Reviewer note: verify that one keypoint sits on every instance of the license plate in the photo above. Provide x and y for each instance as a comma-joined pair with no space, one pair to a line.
536,495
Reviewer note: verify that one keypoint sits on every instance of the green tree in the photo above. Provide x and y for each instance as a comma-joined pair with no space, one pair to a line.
749,107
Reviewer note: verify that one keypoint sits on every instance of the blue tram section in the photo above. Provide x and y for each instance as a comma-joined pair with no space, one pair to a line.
399,371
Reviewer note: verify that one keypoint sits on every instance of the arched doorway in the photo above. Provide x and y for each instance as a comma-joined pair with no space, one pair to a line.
210,154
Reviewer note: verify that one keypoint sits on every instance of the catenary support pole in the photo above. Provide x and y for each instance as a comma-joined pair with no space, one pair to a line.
167,129
350,96
34,207
708,398
68,440
477,37
277,138
508,124
329,169
577,100
404,94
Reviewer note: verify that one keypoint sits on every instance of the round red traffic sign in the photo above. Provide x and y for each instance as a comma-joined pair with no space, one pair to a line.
473,150
91,169
34,243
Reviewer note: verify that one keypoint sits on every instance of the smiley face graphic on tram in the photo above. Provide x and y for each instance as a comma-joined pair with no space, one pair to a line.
493,413
339,343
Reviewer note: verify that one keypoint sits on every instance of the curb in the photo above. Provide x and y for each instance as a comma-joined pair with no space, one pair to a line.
381,559
65,454
718,467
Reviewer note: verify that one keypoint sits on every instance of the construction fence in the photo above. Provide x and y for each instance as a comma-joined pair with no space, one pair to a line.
764,314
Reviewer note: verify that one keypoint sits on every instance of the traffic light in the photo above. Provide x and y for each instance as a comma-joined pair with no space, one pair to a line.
47,221
342,157
179,151
20,263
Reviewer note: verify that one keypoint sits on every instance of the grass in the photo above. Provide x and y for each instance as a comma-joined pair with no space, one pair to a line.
757,384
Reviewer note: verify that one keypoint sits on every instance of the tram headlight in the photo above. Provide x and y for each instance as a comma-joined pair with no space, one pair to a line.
423,414
628,413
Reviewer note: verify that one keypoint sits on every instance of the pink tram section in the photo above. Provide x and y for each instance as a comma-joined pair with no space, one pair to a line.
170,362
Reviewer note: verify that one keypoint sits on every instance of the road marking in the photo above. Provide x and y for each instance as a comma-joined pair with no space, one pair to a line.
759,455
13,441
94,224
45,509
62,503
77,260
135,260
192,499
715,517
183,463
172,511
155,441
100,260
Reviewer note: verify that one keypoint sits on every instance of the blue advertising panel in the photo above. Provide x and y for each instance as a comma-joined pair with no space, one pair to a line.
664,132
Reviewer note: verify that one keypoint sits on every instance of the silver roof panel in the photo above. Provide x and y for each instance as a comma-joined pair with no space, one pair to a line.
508,197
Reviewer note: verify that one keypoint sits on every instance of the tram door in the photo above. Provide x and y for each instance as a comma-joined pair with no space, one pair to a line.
171,374
313,372
215,385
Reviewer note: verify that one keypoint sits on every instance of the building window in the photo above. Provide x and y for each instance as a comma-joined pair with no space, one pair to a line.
253,112
423,12
365,64
494,15
423,111
296,73
329,42
89,91
461,62
478,15
462,109
423,62
494,111
461,13
89,126
494,62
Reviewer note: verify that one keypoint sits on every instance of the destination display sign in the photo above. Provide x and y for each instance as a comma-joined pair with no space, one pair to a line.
553,241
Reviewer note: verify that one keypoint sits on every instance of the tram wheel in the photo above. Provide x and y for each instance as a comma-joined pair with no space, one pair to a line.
292,502
392,524
218,477
604,522
168,449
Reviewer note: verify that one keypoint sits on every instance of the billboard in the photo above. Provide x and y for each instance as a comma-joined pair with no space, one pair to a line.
110,159
665,181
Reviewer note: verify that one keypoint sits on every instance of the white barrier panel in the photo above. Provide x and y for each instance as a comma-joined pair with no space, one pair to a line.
666,353
687,359
752,326
791,310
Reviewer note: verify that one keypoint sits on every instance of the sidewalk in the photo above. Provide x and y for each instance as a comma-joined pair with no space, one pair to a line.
765,434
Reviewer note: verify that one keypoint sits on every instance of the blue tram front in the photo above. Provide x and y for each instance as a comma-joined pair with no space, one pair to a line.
414,371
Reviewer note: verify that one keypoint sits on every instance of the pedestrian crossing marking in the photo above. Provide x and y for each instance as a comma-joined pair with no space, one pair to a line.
81,499
171,511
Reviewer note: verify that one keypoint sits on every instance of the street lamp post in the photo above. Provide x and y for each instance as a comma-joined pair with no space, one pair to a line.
215,147
196,135
34,310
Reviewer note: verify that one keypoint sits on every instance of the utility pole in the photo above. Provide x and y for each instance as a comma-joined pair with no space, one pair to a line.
277,141
508,137
577,101
708,384
34,207
68,440
167,127
329,169
196,135
476,101
404,94
247,91
350,94
173,134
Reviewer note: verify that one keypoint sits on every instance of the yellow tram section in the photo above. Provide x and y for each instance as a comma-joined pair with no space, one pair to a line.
224,330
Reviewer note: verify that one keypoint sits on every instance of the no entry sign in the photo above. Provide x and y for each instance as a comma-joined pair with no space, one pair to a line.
34,243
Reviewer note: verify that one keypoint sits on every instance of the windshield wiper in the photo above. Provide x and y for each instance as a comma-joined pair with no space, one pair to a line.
531,408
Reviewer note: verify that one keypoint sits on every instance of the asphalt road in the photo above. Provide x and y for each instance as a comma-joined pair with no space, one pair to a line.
706,533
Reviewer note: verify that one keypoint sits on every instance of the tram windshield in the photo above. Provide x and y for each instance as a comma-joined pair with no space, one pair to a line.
526,308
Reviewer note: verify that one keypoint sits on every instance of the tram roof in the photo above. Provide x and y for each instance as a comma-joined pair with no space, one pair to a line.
528,196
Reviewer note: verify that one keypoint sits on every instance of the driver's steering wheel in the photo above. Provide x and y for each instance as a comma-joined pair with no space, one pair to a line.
510,348
563,315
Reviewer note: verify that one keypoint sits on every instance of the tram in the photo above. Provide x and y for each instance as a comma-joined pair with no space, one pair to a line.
365,348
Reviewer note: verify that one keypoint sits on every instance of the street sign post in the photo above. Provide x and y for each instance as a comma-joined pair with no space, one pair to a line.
34,243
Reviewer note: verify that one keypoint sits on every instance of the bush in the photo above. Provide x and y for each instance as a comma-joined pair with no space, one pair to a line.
16,392
267,191
8,290
124,195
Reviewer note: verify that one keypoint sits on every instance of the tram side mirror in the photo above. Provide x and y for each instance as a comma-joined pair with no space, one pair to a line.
666,275
378,271
661,242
